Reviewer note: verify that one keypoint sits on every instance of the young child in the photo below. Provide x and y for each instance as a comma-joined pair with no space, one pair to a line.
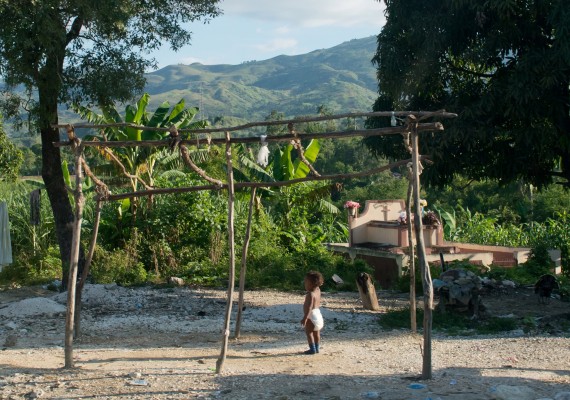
312,319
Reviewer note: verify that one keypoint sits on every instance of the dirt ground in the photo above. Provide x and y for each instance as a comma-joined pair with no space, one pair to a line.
149,343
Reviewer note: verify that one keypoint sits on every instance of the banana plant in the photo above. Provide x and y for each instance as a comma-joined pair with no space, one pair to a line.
295,205
285,169
140,162
449,222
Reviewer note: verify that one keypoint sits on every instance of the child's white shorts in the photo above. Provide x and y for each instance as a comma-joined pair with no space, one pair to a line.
317,318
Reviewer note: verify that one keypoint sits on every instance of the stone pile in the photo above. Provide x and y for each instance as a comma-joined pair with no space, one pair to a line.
458,288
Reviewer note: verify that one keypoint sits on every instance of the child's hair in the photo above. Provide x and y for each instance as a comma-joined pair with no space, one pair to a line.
315,277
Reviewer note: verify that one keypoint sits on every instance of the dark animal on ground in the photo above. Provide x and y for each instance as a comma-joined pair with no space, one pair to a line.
544,287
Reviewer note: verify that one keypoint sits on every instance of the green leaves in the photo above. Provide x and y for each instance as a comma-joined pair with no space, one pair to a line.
449,222
10,158
159,115
311,153
142,161
284,168
501,65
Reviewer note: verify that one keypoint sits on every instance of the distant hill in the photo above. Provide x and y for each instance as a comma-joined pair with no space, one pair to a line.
341,78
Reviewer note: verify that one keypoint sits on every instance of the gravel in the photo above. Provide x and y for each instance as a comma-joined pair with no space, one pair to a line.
145,343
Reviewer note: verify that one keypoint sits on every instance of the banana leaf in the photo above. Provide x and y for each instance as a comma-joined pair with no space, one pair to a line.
311,153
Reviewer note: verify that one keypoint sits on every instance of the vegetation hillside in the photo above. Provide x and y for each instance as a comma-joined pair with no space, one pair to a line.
342,78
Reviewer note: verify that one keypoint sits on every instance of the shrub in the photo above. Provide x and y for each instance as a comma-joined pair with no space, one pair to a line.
285,270
39,268
348,271
539,261
35,253
564,283
117,266
206,273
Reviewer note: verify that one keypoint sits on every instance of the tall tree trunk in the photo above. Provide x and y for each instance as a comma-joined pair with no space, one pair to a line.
565,136
52,173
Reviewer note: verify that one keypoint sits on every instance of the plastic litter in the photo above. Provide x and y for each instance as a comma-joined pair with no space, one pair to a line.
417,386
138,382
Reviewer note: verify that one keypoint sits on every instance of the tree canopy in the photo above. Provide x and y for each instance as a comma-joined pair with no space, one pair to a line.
94,52
503,66
99,49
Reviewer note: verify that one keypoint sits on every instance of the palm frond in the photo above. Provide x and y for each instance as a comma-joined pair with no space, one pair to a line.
173,173
328,207
200,156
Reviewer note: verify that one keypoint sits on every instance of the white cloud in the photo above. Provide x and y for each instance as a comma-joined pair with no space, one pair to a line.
314,13
276,45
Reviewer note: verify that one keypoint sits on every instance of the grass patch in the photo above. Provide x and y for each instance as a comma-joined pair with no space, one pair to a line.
450,323
496,325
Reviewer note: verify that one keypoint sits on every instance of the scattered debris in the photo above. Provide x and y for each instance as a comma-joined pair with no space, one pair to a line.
138,382
176,281
337,279
34,394
506,392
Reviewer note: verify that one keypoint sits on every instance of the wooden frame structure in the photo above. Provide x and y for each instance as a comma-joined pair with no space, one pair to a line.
409,130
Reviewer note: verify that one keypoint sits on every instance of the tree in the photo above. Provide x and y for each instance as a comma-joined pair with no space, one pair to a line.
10,158
504,67
84,51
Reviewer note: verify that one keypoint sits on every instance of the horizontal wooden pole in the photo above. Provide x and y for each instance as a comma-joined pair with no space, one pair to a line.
426,127
419,114
241,185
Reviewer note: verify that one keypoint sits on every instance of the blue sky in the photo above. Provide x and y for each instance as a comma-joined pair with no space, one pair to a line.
262,29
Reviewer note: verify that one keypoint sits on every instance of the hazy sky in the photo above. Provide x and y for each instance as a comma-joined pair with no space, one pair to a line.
262,29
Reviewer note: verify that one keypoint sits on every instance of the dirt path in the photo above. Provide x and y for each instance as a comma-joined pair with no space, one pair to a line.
163,344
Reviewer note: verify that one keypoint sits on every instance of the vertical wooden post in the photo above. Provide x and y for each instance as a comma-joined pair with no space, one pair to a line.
74,261
244,263
86,267
231,244
413,307
367,292
424,267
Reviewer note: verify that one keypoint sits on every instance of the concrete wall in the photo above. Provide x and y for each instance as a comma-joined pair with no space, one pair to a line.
378,224
381,234
374,210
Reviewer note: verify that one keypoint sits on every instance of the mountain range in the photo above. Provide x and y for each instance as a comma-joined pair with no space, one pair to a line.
342,78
